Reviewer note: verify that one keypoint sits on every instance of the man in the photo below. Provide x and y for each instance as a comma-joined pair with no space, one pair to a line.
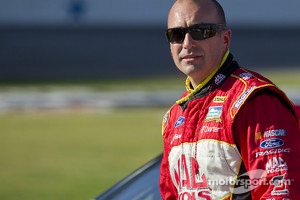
233,134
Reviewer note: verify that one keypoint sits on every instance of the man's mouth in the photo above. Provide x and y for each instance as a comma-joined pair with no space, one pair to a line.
190,57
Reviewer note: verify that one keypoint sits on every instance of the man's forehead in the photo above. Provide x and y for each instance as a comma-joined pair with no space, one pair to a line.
187,14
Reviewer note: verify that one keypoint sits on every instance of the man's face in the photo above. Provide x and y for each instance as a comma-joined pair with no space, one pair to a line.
197,58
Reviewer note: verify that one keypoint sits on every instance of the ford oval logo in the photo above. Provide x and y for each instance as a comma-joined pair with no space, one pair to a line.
271,143
179,121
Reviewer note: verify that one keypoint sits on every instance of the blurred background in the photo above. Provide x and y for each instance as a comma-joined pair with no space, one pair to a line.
90,39
84,85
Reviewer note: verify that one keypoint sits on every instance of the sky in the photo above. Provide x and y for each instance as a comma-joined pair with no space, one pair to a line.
140,12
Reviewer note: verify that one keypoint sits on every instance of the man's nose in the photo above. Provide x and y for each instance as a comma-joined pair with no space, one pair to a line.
188,41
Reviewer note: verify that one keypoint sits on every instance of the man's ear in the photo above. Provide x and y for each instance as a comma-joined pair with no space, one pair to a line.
227,38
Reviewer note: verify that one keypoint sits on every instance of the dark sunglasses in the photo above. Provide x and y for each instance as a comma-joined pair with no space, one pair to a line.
197,32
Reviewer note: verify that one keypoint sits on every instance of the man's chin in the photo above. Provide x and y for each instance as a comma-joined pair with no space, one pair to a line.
189,70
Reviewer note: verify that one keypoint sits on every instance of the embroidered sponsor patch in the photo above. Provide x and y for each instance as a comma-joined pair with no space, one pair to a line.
219,99
272,133
275,165
271,143
179,121
214,113
166,117
237,104
258,136
219,79
245,75
176,137
280,185
272,151
210,129
243,97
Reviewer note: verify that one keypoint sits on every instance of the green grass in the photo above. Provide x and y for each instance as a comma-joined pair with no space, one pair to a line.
74,156
282,76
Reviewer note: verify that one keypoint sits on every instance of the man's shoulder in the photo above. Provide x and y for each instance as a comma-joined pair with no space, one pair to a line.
243,84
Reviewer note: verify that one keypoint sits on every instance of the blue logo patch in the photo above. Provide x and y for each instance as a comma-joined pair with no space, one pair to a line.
179,121
271,143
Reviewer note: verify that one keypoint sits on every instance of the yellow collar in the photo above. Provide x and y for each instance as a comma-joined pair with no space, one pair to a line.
202,84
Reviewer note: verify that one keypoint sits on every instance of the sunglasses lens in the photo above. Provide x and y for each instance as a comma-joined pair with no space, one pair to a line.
197,34
201,33
175,35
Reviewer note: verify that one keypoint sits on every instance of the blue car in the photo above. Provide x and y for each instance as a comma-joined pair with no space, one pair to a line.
142,184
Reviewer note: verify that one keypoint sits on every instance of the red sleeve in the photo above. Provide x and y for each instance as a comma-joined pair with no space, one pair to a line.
268,136
167,188
297,107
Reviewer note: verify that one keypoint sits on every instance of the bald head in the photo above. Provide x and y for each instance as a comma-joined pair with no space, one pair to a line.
207,8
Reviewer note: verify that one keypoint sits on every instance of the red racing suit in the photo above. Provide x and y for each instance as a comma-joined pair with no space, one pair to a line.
298,111
236,137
